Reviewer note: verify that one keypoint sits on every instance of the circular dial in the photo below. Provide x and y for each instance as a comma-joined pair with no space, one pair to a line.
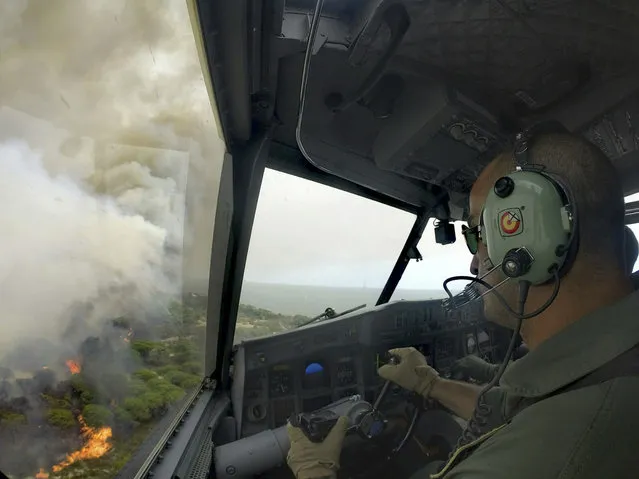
280,381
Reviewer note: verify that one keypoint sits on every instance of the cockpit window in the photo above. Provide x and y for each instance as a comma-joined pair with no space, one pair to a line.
634,227
314,247
423,279
109,165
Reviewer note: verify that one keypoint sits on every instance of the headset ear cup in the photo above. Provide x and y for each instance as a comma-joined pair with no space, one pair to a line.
529,224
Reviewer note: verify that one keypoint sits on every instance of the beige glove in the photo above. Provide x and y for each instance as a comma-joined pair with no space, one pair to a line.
310,460
475,367
412,372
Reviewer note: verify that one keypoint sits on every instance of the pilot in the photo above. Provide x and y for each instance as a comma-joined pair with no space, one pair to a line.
567,408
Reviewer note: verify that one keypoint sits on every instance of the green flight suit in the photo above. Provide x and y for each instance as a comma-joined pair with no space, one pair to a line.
586,433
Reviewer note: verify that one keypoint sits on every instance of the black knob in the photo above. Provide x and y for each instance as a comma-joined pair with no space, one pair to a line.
504,186
516,263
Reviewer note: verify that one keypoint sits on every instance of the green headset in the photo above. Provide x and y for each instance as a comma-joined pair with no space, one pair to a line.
529,220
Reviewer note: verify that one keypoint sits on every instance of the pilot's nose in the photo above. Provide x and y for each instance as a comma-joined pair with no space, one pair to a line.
474,266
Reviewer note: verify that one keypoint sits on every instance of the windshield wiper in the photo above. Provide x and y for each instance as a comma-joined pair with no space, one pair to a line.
329,313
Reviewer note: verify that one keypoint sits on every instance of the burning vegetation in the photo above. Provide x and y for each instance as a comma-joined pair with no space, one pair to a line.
96,444
76,416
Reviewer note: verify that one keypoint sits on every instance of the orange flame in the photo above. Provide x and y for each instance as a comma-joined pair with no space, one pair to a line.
96,445
73,366
42,474
127,339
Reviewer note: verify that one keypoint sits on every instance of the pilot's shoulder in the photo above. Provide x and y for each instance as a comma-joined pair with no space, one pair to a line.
608,447
586,433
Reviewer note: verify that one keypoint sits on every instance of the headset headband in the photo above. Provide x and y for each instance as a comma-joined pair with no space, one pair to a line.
525,139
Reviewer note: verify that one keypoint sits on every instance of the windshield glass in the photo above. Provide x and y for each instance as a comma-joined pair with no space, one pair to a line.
314,247
439,263
109,164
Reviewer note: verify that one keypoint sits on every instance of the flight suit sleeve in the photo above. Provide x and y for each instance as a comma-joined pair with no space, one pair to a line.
577,435
609,447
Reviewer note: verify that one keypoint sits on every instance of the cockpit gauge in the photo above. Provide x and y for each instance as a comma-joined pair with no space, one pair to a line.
280,380
345,372
316,375
471,344
256,412
483,340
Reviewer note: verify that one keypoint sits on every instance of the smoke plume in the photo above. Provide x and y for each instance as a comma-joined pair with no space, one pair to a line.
109,162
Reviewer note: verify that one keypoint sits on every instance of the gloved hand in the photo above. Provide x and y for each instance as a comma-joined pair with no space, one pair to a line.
474,367
310,460
412,372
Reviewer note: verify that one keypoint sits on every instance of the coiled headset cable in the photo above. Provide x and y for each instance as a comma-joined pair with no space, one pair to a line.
481,415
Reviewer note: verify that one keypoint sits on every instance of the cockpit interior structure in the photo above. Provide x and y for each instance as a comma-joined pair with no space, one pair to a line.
401,103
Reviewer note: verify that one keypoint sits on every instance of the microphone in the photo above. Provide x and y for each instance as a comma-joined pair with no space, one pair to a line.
468,295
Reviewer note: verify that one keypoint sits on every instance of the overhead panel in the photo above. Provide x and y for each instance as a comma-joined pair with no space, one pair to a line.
437,135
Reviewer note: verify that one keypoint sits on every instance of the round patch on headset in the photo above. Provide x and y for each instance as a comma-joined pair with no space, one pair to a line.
510,222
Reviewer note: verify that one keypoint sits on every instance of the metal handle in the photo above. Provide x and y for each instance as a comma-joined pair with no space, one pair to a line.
393,360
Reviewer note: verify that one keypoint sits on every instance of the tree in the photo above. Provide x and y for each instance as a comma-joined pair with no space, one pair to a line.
9,417
113,385
97,416
82,389
124,422
145,374
159,356
122,415
11,421
183,379
184,351
144,348
138,409
137,387
192,367
62,418
167,391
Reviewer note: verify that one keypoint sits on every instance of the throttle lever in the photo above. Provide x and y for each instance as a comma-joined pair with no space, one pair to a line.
373,422
393,360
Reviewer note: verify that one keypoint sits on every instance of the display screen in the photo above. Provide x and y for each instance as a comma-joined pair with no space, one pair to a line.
316,375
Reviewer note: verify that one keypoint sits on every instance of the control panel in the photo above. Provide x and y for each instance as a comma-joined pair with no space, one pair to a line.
307,368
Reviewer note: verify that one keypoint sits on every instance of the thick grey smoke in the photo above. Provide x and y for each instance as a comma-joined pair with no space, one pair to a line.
109,160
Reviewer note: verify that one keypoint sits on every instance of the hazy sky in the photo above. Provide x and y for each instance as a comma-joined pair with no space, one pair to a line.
306,233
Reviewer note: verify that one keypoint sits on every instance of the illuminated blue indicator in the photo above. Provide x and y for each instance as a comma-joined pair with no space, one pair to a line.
314,368
376,428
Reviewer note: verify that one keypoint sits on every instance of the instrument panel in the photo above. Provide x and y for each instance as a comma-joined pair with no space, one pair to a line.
307,368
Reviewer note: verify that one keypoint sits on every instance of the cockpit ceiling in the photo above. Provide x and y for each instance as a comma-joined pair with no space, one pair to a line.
403,95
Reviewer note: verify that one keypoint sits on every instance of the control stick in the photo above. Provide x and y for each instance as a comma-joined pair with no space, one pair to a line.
268,449
414,419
